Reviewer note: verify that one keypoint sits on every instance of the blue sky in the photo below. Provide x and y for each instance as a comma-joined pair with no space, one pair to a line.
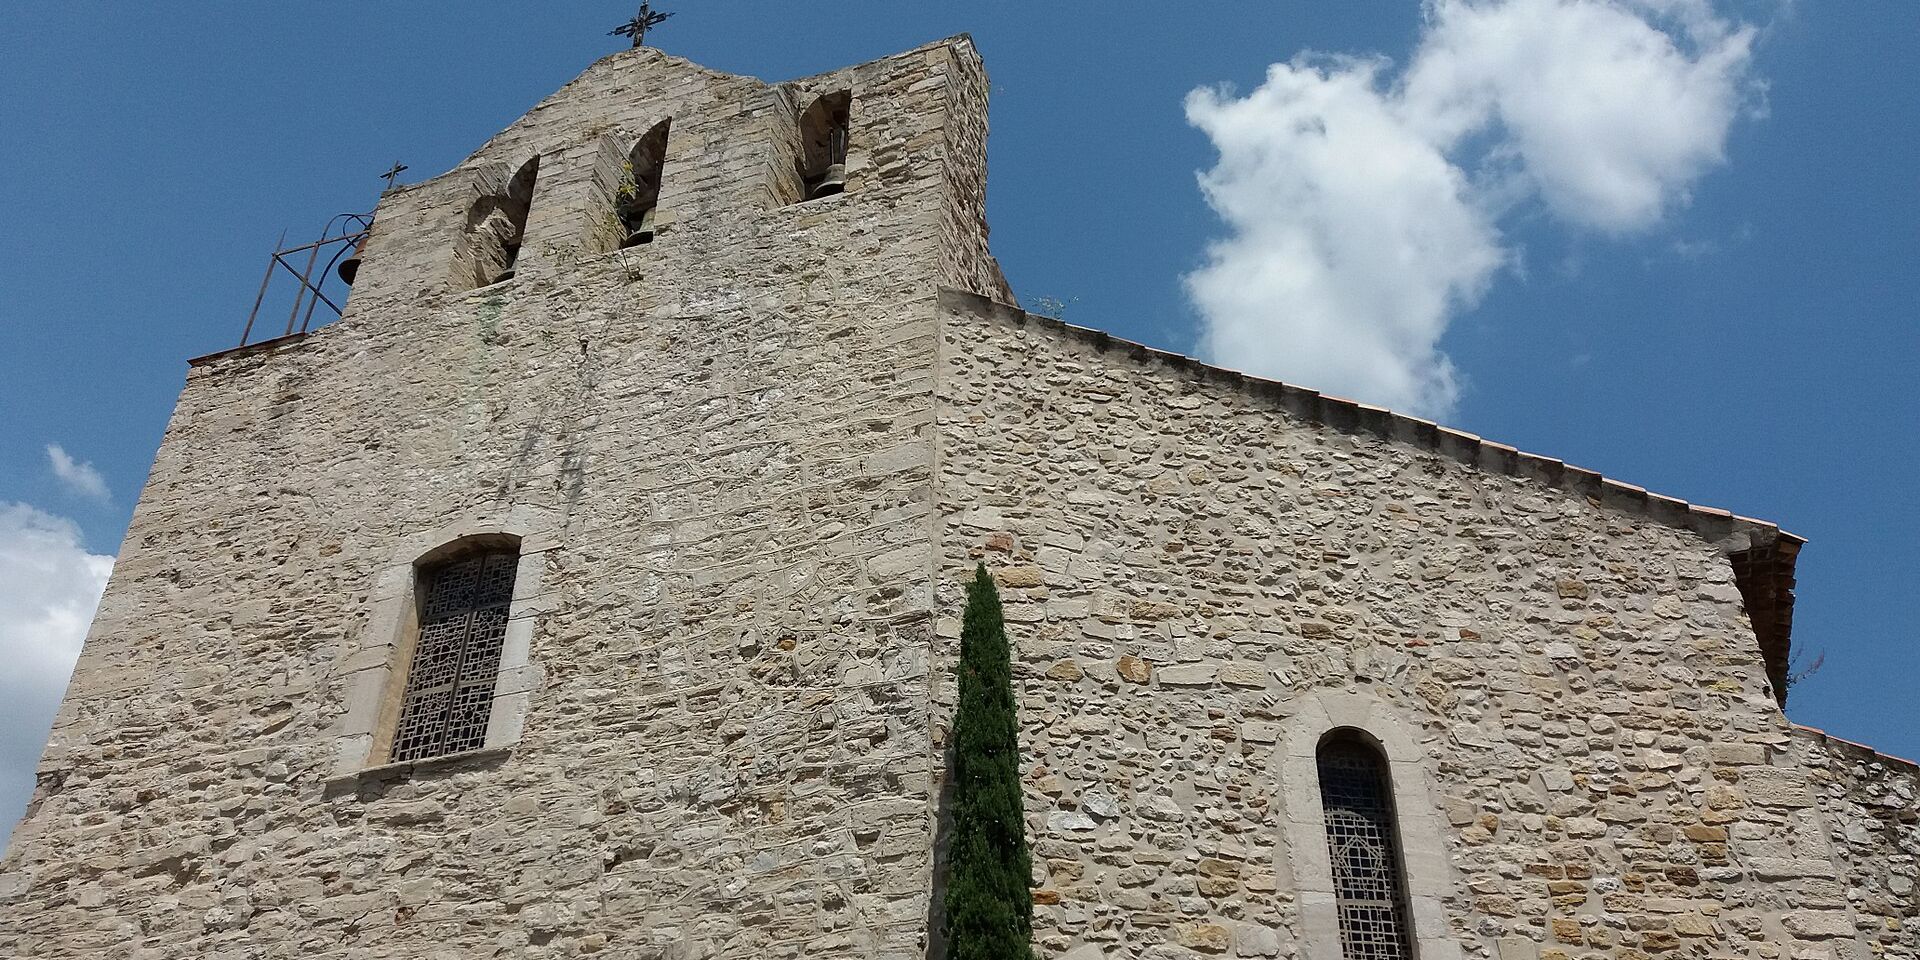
1691,267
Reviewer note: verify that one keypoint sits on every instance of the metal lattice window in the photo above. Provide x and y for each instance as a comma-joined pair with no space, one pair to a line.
463,624
1367,882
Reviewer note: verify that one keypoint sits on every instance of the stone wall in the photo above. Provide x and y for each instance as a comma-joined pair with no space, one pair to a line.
1201,583
1871,804
967,263
726,436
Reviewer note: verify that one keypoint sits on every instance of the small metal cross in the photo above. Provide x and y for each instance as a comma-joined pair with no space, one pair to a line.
637,28
392,174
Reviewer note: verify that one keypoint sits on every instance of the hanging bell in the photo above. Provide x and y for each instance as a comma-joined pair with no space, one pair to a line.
350,267
832,182
642,232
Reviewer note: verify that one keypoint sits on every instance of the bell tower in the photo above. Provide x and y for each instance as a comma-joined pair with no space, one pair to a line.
573,590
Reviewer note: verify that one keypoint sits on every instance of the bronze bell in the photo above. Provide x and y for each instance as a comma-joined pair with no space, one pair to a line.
642,232
350,267
832,182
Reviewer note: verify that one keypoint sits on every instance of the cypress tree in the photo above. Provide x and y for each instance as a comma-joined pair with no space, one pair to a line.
989,913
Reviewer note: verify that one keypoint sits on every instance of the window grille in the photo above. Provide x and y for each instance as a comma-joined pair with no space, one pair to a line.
463,624
1367,882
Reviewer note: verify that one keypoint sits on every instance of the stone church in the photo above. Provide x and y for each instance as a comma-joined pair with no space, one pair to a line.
591,588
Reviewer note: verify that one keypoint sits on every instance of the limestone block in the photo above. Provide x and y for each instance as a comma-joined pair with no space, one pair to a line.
1253,940
1776,787
1188,675
1205,937
1238,675
1518,948
1019,576
1818,926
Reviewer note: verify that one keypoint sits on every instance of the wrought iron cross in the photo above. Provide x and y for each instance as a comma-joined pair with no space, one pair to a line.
637,28
391,175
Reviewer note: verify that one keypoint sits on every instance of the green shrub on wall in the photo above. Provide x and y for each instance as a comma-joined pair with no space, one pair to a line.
989,912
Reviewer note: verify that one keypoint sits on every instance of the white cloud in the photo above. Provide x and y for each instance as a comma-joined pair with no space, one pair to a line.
79,476
1363,211
1609,110
52,585
1353,239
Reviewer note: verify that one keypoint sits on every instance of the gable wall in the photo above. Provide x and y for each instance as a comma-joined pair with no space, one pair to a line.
1199,585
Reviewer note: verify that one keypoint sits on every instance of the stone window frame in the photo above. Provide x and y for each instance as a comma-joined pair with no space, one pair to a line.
1425,868
372,677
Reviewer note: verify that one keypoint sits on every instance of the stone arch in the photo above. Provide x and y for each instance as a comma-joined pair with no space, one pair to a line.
638,195
1428,875
495,227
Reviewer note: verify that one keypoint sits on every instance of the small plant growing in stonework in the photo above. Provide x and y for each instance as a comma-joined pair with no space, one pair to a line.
1053,308
989,910
623,216
1798,669
629,187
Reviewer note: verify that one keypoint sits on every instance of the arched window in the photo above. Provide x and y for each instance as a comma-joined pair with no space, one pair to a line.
496,224
823,146
463,605
639,192
1369,883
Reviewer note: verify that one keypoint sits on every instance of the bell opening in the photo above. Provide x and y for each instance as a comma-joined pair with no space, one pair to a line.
822,156
512,258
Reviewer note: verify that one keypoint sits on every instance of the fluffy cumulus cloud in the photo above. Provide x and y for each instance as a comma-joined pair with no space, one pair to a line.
1363,205
78,475
50,587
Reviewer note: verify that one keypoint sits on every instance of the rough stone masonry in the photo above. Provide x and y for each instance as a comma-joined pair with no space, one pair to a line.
747,468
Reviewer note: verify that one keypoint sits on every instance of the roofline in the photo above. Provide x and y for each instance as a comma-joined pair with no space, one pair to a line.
962,39
1770,550
258,346
1856,747
1471,449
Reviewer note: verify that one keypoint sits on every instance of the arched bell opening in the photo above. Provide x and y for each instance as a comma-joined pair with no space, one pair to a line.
496,226
824,132
638,198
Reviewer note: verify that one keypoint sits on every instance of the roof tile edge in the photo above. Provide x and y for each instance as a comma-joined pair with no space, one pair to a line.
1468,448
1855,747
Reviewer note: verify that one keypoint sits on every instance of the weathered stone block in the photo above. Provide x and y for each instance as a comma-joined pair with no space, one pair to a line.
1818,926
1776,787
1188,675
1205,937
1134,669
